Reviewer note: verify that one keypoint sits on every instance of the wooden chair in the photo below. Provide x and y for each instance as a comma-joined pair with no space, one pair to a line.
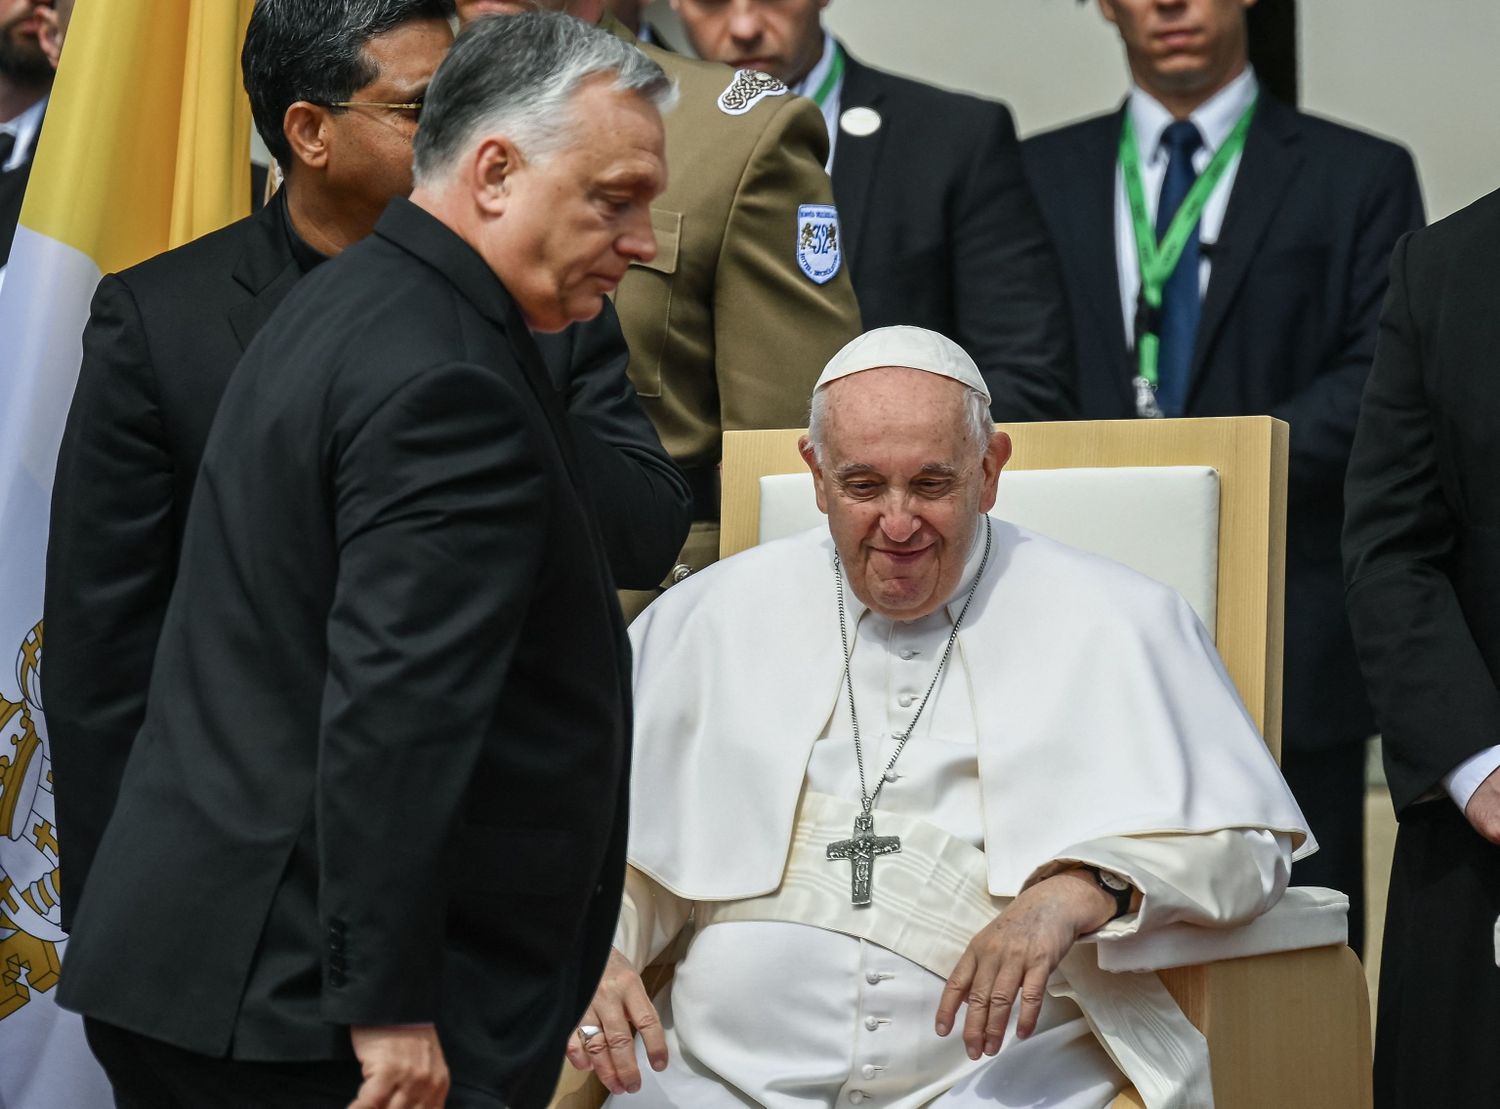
1287,1017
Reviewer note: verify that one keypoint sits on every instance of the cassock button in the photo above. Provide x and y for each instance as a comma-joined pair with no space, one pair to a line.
872,1023
873,978
908,654
892,774
869,1070
905,700
856,1096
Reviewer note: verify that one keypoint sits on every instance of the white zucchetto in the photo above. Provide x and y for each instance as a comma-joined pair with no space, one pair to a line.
915,348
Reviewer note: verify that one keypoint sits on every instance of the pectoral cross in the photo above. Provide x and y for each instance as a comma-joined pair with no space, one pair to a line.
861,850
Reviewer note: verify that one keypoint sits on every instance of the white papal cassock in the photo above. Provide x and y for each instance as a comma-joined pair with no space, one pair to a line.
1083,717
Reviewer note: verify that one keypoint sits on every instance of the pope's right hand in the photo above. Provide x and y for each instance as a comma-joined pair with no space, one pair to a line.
621,1007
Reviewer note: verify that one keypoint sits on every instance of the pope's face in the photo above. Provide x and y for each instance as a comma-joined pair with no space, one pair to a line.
781,37
903,485
1181,46
572,223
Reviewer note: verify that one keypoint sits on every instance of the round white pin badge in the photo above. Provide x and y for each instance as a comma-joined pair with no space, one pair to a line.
860,122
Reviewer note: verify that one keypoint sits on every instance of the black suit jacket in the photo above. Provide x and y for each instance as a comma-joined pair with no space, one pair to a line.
161,342
382,773
1287,329
1422,530
941,231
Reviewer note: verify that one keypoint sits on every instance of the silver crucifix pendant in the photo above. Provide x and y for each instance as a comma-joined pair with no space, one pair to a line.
860,850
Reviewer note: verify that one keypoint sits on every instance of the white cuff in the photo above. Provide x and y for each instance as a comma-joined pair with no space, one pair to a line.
1469,775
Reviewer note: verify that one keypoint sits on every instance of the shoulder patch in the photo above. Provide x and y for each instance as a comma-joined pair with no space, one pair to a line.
749,88
818,250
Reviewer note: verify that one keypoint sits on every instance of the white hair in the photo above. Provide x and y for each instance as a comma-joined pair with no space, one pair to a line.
518,76
978,427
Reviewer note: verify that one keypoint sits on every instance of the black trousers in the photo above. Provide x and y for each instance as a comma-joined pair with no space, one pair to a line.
1329,785
1438,1018
149,1074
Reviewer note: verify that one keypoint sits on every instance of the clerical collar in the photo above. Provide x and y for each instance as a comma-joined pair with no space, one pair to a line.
307,257
858,609
1215,117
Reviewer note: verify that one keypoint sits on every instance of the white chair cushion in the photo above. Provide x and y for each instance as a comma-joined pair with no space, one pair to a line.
1162,521
1306,916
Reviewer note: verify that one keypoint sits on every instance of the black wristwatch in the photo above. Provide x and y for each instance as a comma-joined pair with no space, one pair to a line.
1112,884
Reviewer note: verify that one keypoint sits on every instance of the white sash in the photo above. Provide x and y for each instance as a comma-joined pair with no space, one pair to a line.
929,901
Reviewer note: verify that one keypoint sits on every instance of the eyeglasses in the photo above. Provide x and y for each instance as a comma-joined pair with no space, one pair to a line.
414,107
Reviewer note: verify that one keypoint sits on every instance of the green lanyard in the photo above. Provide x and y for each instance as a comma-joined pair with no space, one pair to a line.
1158,260
831,81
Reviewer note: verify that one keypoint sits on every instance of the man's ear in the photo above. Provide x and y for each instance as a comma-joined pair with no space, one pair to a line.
810,456
996,455
306,129
495,164
1107,10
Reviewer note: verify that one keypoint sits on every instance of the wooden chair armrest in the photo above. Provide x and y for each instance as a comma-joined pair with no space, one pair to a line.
1291,1029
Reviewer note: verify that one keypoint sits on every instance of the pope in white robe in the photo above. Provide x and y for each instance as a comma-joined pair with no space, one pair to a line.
1078,768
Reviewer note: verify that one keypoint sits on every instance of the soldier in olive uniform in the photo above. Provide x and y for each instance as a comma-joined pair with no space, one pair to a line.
747,298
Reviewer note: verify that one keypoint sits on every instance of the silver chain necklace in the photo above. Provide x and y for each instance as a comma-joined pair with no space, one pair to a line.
862,848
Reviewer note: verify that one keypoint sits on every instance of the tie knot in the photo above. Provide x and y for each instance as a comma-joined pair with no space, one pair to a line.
1181,138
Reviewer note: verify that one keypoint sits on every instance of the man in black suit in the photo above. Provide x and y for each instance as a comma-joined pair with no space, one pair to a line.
938,224
1422,556
373,827
25,81
165,335
1270,308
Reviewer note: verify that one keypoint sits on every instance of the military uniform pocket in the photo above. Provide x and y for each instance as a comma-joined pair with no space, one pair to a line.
644,302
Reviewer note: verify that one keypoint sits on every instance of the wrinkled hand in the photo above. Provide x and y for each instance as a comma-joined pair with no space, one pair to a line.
1016,954
403,1068
620,1008
1483,809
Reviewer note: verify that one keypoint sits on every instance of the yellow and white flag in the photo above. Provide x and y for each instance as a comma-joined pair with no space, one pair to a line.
145,146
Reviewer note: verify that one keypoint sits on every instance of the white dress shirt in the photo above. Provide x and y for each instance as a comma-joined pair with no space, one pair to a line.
830,107
1464,779
1215,120
24,127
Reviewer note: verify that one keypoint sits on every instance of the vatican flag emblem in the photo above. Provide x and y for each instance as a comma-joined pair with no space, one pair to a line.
819,252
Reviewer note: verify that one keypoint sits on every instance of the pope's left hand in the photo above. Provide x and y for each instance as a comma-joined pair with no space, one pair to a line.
1015,955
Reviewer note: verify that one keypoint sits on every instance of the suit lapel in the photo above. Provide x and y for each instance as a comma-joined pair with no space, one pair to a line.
1267,168
1093,219
855,156
265,270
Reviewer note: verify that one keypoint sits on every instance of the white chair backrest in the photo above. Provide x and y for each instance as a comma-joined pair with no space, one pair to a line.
1162,521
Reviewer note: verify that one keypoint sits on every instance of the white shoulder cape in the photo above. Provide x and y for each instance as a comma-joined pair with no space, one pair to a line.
1103,710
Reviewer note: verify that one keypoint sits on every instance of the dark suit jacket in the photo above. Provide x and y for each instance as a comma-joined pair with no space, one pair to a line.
1288,329
1422,530
382,773
158,351
12,193
941,231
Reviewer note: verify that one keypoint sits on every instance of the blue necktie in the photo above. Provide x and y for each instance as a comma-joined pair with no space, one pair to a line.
1179,300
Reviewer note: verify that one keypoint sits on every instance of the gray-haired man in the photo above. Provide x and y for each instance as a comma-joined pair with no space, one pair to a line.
370,841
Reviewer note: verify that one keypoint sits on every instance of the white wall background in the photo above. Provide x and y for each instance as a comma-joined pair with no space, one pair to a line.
1423,72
